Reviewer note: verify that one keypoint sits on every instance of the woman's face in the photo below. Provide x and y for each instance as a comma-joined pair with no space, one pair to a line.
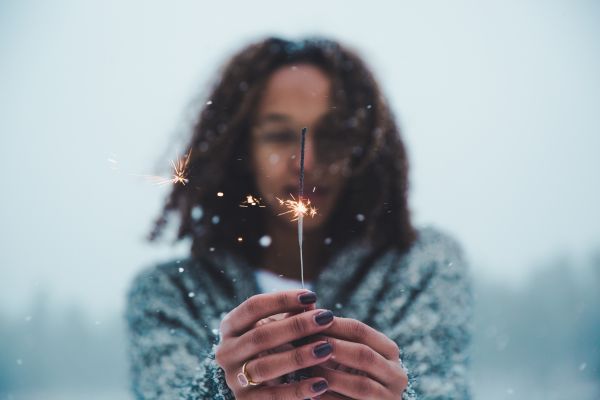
294,97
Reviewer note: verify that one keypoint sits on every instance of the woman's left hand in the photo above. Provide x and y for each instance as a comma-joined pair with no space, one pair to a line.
357,346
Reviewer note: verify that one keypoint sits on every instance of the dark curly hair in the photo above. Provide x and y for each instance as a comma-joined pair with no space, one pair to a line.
360,126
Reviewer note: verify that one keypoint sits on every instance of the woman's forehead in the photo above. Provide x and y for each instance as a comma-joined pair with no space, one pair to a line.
273,118
302,73
294,94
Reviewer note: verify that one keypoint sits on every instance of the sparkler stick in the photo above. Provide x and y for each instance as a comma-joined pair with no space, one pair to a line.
301,207
300,195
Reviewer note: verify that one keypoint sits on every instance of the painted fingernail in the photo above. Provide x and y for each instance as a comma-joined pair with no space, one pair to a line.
322,350
324,317
319,386
307,298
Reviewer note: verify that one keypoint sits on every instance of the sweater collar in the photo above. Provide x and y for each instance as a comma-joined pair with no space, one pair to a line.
337,275
329,284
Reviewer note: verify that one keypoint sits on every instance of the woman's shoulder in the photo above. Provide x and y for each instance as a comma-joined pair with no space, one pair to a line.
192,280
158,279
434,241
435,252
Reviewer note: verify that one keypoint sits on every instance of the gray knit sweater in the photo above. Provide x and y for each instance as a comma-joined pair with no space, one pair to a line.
421,299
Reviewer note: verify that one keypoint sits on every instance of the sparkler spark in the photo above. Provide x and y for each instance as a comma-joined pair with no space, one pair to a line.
180,173
252,201
297,208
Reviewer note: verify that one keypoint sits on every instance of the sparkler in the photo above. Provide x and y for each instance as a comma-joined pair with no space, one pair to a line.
297,208
180,173
252,201
301,207
301,215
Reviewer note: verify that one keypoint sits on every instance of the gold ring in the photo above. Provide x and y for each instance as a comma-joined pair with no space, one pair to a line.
244,378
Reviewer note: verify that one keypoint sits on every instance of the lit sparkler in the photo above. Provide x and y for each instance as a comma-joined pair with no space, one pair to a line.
180,173
300,195
252,201
301,207
297,208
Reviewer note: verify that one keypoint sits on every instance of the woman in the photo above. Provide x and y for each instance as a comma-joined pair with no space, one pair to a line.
199,327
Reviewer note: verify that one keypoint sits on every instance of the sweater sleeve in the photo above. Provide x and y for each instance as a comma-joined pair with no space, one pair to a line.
430,319
171,349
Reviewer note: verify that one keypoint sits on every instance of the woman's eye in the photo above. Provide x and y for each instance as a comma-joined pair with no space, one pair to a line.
279,137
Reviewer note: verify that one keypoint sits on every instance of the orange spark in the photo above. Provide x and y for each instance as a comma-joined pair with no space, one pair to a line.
179,172
252,201
297,208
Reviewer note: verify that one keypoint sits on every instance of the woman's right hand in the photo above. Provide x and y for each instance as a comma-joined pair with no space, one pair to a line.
242,340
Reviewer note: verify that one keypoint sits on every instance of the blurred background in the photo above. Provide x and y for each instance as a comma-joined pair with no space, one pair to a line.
498,103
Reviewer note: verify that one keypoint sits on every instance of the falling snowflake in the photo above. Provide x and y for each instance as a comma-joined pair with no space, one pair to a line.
265,241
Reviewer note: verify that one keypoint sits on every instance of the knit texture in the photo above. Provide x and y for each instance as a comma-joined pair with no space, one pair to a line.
421,299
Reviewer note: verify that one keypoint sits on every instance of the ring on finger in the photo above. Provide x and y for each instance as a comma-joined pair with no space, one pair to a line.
244,377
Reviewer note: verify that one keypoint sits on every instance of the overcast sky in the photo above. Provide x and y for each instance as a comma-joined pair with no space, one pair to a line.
498,104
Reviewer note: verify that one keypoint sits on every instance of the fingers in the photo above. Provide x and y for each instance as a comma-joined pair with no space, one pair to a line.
355,331
275,365
364,358
276,317
243,317
277,333
308,388
354,386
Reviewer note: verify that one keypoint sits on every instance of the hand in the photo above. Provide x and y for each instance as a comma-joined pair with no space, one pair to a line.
283,347
244,338
369,361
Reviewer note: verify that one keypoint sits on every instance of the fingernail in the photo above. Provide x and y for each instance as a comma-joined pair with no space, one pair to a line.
322,350
319,386
324,317
307,298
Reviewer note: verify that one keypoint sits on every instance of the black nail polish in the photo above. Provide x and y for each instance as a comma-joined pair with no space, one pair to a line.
307,298
322,350
319,386
324,317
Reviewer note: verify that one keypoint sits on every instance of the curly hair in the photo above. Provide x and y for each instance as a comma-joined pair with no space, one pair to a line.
360,127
